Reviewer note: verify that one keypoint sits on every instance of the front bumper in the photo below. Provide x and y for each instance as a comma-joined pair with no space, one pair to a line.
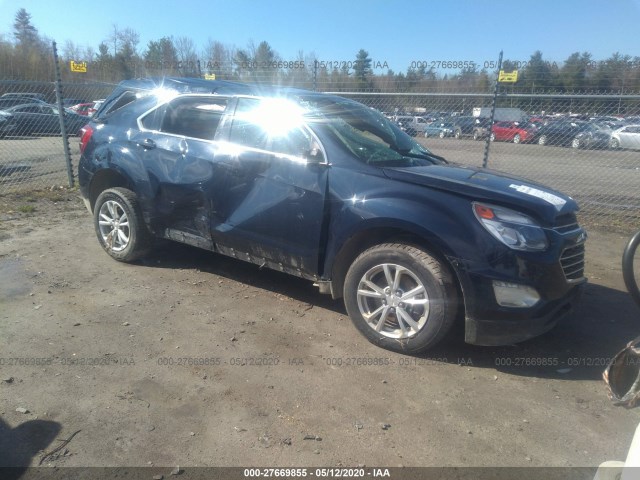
520,326
556,275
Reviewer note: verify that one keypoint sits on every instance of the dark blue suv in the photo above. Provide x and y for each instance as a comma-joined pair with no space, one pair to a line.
331,191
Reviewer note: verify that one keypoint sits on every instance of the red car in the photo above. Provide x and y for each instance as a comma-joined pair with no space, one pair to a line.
85,109
515,132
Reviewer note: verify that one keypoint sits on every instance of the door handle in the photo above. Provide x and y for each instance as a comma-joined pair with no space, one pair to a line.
148,144
184,147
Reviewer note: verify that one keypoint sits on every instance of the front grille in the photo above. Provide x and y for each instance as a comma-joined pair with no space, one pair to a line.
566,223
572,261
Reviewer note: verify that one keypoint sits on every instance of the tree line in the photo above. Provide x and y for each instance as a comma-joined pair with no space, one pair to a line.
26,54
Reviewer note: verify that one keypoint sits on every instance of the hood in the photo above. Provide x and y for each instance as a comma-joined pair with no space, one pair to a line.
491,186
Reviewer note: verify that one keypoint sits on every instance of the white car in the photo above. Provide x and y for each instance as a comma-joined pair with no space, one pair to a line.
626,137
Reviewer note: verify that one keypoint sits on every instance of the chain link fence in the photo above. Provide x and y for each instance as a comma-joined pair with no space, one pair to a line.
584,144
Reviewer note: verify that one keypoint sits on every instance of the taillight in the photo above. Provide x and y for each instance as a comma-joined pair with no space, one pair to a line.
85,136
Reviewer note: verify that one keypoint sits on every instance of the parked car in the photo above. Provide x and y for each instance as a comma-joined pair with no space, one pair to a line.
85,109
13,101
463,126
626,137
592,136
32,96
559,132
329,190
515,132
412,125
7,123
40,118
439,129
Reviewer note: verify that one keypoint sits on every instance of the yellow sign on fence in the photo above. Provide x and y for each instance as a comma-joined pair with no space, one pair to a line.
78,67
209,76
508,77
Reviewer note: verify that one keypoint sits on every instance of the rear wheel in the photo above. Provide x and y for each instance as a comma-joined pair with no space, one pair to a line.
400,297
615,143
458,134
516,138
542,140
492,137
119,225
442,135
576,143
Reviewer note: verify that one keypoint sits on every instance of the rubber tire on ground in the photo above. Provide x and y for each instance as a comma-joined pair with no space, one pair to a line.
458,134
542,140
476,136
516,138
627,267
614,144
492,137
442,135
575,143
139,236
438,282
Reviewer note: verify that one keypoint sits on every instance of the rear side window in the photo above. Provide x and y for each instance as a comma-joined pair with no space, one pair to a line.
196,117
119,102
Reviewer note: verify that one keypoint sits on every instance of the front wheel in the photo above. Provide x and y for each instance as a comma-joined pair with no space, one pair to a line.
614,144
492,137
576,143
400,297
119,225
517,138
442,135
631,267
542,140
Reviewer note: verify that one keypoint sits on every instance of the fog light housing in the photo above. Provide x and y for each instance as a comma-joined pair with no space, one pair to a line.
515,295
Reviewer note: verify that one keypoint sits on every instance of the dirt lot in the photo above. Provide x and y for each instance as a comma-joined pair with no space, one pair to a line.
188,358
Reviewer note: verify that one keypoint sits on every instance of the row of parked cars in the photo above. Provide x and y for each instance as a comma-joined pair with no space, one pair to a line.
564,131
24,114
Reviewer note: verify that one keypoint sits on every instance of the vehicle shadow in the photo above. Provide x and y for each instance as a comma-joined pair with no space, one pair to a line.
578,348
174,255
19,445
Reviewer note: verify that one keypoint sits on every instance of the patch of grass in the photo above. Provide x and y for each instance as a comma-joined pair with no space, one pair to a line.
27,208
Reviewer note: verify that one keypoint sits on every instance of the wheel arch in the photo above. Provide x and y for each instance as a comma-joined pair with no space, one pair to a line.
368,237
105,179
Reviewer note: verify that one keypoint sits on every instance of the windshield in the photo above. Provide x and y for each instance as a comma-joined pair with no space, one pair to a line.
368,134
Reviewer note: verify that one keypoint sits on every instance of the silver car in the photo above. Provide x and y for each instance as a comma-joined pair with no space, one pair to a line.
626,137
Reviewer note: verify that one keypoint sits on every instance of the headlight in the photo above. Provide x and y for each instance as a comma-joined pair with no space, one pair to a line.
514,229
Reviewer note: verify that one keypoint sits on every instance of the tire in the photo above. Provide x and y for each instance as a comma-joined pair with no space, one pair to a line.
576,143
408,327
492,137
542,140
517,138
441,135
426,134
458,134
614,144
630,271
117,209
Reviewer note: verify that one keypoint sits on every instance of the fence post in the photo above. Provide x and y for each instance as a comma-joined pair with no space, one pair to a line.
485,160
63,128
